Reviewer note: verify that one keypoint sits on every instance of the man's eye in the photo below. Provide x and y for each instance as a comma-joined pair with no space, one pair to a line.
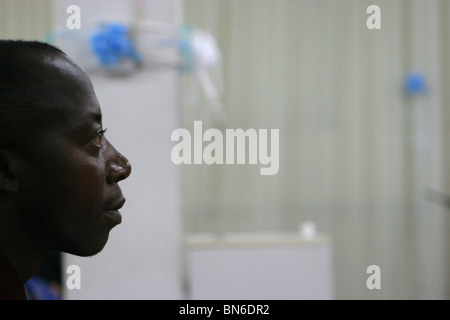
98,138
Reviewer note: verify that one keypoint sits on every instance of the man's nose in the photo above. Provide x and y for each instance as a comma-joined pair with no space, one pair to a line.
119,167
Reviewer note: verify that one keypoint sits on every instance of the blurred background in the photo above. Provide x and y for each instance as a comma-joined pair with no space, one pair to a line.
363,176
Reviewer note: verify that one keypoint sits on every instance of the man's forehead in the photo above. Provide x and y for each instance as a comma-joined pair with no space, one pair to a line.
72,90
63,66
55,96
63,71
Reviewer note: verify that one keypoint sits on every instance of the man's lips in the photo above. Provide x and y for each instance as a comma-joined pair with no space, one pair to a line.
116,205
112,210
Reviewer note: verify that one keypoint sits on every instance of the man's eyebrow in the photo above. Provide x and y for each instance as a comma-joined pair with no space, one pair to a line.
97,117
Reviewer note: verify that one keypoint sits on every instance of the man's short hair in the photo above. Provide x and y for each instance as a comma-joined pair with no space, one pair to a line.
23,90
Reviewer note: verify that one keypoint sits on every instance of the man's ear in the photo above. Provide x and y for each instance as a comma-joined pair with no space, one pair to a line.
8,176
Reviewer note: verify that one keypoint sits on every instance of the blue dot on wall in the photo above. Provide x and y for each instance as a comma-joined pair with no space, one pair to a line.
415,83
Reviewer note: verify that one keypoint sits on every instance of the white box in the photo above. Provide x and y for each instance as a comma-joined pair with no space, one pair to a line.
259,267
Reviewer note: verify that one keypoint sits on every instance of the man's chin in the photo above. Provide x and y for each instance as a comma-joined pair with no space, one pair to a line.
86,249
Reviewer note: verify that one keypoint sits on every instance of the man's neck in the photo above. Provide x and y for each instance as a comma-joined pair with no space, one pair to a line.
22,252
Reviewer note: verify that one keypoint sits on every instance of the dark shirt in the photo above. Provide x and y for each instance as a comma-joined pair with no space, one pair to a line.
11,286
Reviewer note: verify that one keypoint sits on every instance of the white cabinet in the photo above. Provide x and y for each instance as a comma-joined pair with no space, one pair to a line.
259,266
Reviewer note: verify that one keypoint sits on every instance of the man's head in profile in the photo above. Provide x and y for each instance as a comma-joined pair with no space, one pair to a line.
59,175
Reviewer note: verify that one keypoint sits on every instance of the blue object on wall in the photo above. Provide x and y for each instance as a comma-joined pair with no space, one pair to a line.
415,83
112,43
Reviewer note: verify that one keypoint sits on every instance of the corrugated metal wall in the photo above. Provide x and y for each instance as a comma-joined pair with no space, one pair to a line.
25,19
348,157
